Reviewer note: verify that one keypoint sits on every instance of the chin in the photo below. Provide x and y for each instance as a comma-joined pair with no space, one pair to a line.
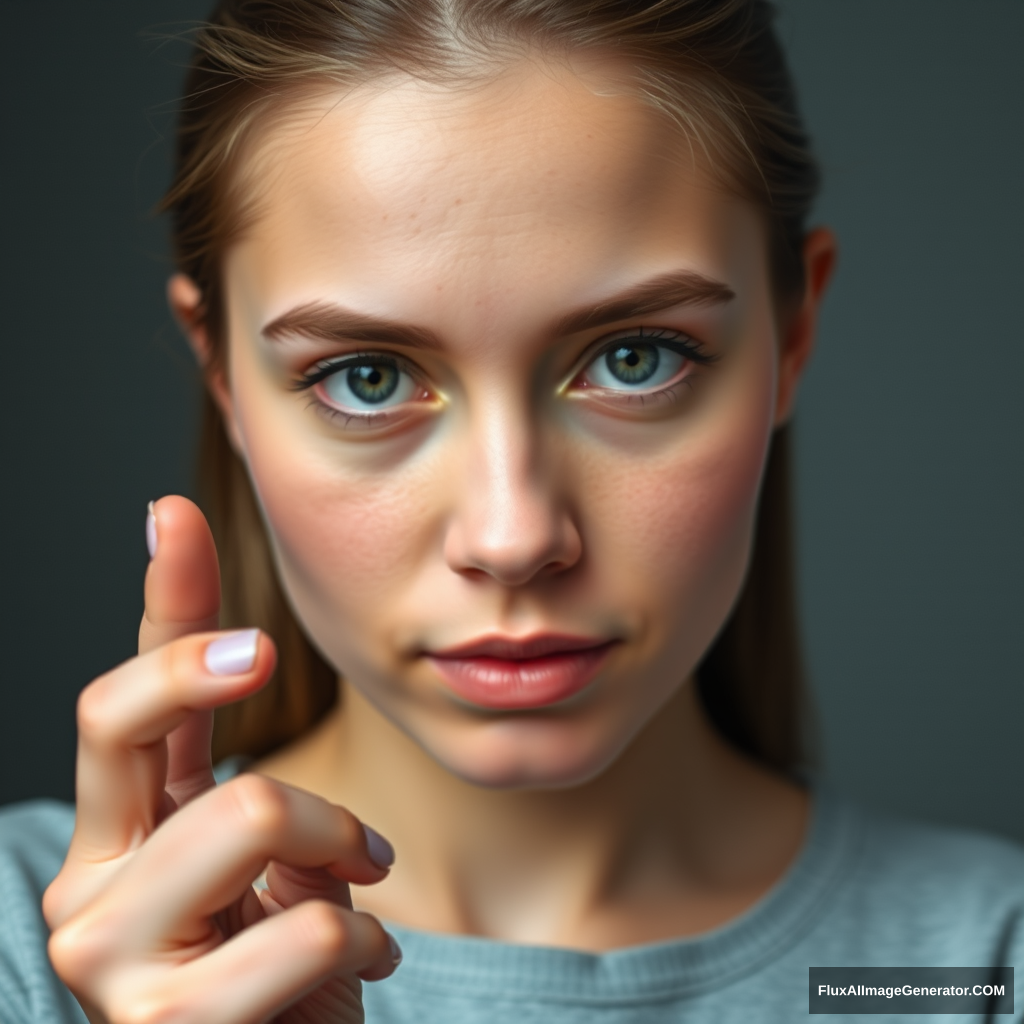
525,752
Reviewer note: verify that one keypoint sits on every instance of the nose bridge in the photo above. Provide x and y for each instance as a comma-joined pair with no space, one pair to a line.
511,521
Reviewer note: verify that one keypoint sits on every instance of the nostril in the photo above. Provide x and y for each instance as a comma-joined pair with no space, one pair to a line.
511,518
516,557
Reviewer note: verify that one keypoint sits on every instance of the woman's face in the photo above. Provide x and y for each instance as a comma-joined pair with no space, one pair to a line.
503,366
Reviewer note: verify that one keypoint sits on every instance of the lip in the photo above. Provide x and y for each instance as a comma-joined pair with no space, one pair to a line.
509,673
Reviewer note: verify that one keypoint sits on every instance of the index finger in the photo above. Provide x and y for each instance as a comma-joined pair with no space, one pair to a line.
182,597
124,715
183,578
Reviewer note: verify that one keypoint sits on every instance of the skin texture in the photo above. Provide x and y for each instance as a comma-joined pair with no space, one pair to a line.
513,508
513,493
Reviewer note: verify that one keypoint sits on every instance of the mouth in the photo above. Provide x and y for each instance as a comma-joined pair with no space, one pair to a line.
508,674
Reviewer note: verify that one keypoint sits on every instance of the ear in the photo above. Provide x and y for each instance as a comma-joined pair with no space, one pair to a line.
186,302
800,327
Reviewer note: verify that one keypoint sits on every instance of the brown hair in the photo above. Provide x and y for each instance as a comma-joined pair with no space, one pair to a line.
714,67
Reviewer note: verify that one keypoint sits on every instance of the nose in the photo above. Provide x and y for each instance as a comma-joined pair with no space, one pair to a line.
511,520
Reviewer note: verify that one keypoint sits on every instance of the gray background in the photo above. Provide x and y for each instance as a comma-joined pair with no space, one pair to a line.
910,425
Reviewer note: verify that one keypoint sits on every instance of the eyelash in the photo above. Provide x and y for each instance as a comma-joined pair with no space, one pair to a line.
328,367
675,341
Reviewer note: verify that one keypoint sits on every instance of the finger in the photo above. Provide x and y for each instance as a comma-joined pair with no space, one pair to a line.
183,578
287,886
263,970
189,766
182,597
125,715
244,825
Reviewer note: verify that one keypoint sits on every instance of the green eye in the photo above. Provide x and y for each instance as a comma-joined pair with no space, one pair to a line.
635,364
373,384
366,383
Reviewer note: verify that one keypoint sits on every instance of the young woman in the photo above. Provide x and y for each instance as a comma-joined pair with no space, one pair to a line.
502,306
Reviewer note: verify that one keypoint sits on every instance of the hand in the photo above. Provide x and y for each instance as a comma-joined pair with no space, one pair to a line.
154,915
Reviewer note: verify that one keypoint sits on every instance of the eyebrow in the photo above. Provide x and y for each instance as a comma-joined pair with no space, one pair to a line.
676,288
324,321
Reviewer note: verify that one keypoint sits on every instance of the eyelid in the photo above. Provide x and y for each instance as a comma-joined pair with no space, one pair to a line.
667,336
328,366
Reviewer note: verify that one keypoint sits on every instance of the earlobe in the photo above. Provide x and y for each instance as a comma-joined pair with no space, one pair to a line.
797,341
186,302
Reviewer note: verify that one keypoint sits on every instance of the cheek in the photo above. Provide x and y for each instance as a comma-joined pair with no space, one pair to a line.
335,535
673,532
347,541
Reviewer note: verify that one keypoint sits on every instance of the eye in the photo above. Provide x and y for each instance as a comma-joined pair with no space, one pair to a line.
642,362
637,364
368,385
362,384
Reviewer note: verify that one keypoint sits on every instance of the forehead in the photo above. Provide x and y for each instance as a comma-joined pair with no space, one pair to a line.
534,181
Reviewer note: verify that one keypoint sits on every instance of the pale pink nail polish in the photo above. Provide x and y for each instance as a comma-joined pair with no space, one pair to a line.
232,654
151,531
381,852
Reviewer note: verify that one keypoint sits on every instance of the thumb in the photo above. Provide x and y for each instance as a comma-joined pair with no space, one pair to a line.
183,578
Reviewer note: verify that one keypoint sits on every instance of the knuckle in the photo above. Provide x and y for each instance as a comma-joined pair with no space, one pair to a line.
63,955
177,665
325,929
377,938
75,952
261,804
145,1009
55,900
89,946
352,834
92,710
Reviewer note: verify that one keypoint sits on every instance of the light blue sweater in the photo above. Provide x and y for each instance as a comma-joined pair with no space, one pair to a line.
864,891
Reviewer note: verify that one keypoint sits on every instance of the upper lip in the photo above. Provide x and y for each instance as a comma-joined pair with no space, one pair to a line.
520,648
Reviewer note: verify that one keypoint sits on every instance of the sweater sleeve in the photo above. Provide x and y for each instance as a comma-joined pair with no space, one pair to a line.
34,838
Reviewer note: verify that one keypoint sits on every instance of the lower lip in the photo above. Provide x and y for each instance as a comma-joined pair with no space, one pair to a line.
514,685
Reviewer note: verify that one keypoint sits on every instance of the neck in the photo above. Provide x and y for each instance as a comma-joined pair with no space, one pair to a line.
679,835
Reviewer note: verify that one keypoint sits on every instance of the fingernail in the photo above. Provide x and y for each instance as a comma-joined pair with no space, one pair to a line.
151,531
381,852
396,950
232,654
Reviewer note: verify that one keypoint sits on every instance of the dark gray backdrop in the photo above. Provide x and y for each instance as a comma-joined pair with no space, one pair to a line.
909,430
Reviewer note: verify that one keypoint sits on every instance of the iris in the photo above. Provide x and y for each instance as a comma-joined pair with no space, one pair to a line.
373,383
633,364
